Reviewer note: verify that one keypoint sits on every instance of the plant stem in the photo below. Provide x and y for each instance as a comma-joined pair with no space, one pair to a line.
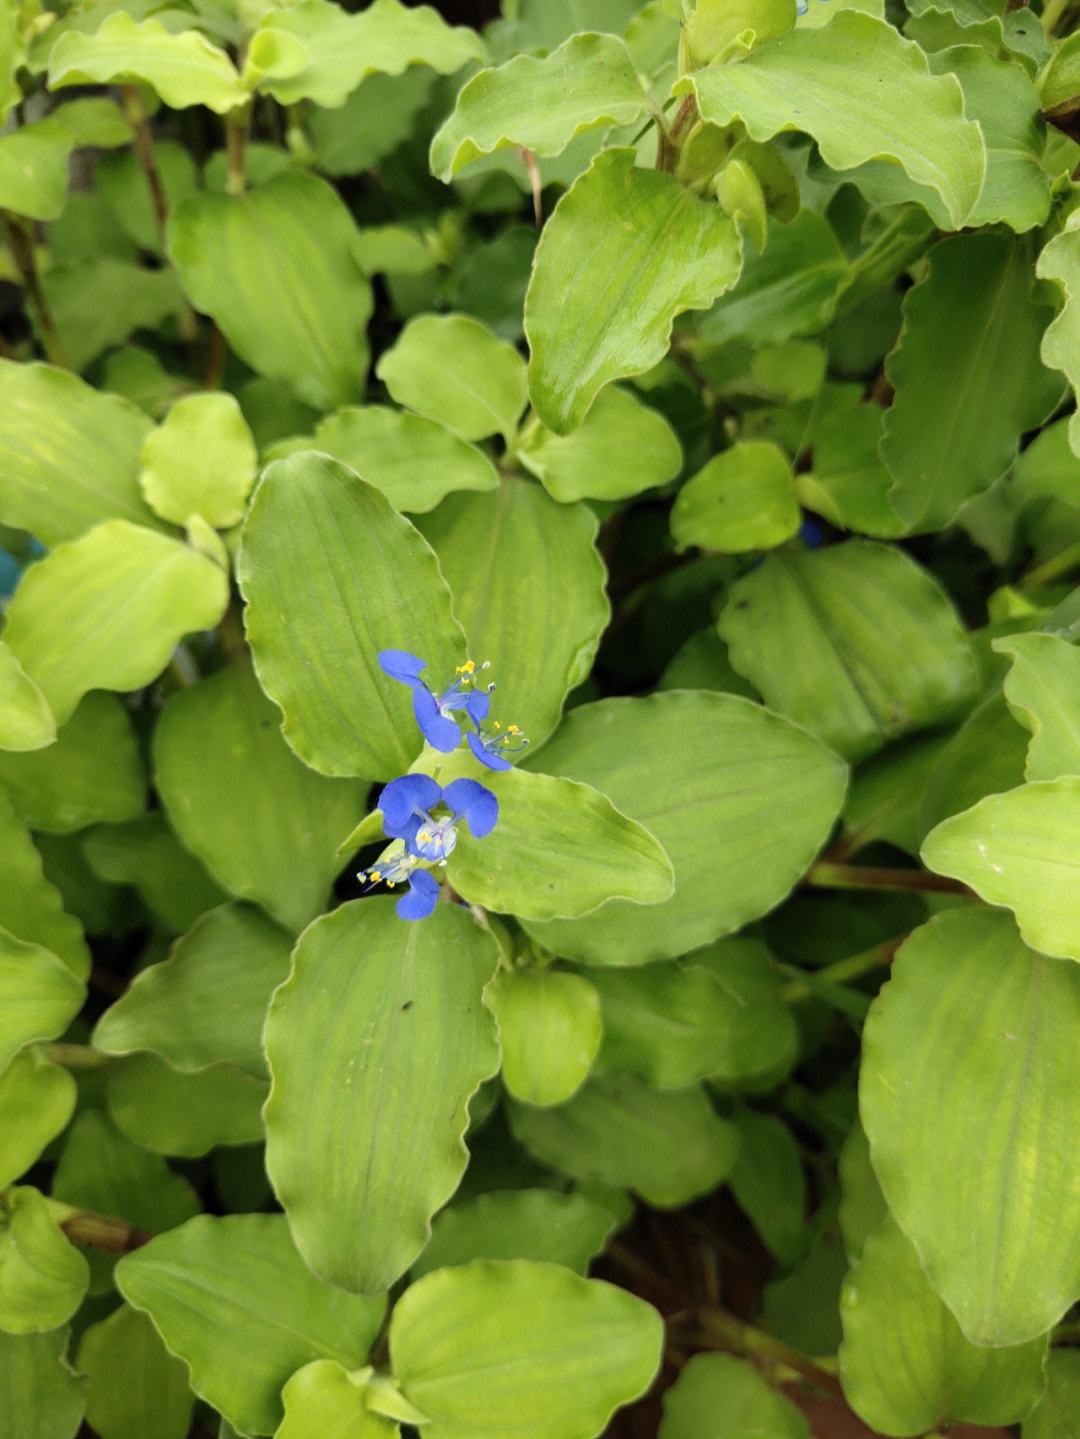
1052,14
237,126
76,1056
1051,569
844,970
21,245
145,153
727,1332
825,875
101,1231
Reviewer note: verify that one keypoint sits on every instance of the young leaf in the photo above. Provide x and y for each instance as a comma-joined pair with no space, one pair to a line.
43,1278
37,1099
717,1396
39,996
742,499
538,1224
200,460
326,1399
549,1030
26,722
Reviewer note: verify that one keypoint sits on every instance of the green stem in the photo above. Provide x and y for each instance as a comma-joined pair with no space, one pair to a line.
1051,569
825,875
733,1334
76,1056
21,244
237,126
97,1231
1052,14
842,971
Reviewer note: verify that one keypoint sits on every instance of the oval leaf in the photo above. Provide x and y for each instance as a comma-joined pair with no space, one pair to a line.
549,1028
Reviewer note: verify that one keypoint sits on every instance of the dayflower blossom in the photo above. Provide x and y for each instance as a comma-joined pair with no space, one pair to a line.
492,748
434,712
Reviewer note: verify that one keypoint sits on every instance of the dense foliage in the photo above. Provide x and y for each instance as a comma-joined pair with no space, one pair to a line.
539,720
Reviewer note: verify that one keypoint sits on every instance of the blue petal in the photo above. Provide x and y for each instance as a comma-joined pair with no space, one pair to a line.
484,755
439,731
401,665
401,799
478,805
477,706
421,897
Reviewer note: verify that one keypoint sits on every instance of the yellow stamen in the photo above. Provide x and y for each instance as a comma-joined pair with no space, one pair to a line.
467,668
391,884
512,729
374,874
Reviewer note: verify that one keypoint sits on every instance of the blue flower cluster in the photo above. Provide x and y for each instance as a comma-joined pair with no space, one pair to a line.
418,814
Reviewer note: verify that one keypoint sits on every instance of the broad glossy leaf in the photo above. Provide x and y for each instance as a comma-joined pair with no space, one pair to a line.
37,1378
967,375
854,78
37,1098
69,454
1042,690
31,908
1060,262
324,1398
855,641
107,610
452,369
742,499
26,722
233,1299
39,996
292,239
207,1002
541,103
621,448
764,795
529,590
145,853
717,1396
134,1385
625,251
43,1278
539,1224
529,1348
986,1191
265,825
354,578
200,460
317,51
769,1183
171,1111
34,169
376,1044
414,461
183,67
549,1030
668,1145
905,1364
92,774
1057,1415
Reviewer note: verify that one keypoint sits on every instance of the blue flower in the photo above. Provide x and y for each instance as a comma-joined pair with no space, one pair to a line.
401,868
492,748
434,712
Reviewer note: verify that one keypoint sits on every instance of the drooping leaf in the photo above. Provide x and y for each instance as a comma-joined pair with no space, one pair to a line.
36,1378
742,499
201,460
26,722
549,1030
717,1396
1042,690
538,1224
186,1113
39,996
37,1098
134,1385
31,908
43,1279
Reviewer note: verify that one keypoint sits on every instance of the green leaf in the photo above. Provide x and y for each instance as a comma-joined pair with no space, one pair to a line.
853,77
201,460
354,578
538,1224
861,1208
34,169
265,825
719,30
625,251
316,51
207,1002
324,1398
549,1029
887,792
967,375
452,369
1060,262
183,67
121,184
1002,1080
99,302
232,1298
769,1183
764,795
717,1396
185,1113
541,103
31,908
39,996
93,120
26,722
374,121
37,1380
544,1350
1042,690
134,1386
414,461
742,499
904,1363
145,853
856,642
376,1044
849,483
43,1279
69,455
36,1101
529,591
985,756
668,1145
1047,467
292,239
1057,1415
621,448
92,774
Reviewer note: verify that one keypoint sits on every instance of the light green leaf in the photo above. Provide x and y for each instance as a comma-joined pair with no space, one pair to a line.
621,448
528,587
34,169
99,302
855,641
1057,1415
92,774
93,120
36,1101
764,795
764,1044
323,1398
625,251
69,454
207,1002
201,460
541,103
26,722
233,1299
719,30
31,908
414,461
43,1278
37,1379
1043,693
317,51
668,1145
855,78
717,1396
742,499
292,239
39,996
354,577
134,1386
183,67
1060,262
106,611
452,369
376,1044
1002,1080
849,483
172,1112
974,322
120,182
145,853
544,1350
904,1363
769,1183
539,1224
549,1029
